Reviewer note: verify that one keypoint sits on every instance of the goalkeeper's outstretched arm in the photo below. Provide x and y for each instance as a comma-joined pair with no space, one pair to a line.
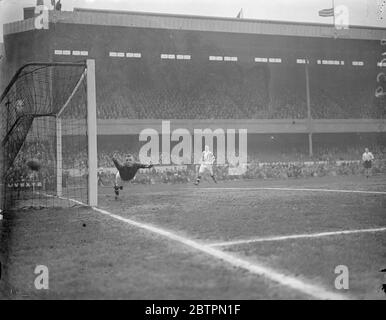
117,164
145,166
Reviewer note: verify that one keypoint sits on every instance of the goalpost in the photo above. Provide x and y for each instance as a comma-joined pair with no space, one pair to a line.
48,116
92,133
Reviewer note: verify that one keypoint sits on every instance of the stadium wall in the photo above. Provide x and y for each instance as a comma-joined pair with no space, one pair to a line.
3,79
94,34
127,126
99,33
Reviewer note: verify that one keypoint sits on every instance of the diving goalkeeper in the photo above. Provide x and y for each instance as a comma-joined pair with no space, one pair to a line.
126,172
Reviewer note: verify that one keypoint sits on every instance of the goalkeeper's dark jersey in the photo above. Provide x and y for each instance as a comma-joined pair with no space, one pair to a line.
128,170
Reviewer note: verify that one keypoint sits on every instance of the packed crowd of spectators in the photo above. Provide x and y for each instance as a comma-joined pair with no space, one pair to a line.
222,94
255,170
293,163
230,91
328,161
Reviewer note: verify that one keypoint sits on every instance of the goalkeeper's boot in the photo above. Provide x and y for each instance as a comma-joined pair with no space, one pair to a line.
214,179
116,189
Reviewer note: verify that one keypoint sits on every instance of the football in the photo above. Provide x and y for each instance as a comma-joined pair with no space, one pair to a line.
34,165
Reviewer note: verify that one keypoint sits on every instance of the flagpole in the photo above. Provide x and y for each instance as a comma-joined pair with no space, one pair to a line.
333,20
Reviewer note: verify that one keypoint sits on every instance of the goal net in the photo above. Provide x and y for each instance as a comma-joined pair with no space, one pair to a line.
45,136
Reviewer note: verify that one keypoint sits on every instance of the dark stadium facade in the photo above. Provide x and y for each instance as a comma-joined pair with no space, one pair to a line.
205,72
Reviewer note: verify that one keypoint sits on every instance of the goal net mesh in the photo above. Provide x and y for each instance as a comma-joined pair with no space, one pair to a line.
43,135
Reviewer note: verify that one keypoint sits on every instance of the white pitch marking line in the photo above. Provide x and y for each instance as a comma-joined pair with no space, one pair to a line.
293,189
296,236
313,290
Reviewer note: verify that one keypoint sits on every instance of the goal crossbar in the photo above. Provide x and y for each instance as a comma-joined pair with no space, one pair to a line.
42,64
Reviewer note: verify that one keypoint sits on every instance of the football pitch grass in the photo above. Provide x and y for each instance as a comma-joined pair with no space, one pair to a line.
249,239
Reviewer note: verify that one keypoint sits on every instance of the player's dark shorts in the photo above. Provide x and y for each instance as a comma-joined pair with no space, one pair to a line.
367,164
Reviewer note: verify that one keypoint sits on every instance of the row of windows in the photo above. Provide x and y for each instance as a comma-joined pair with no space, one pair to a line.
212,58
69,53
125,54
303,61
331,62
382,63
221,58
175,56
266,60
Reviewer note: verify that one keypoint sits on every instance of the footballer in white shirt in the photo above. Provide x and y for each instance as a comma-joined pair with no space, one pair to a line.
207,160
367,159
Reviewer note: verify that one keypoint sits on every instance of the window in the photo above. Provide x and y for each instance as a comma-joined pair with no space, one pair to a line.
183,57
117,54
274,60
133,55
261,59
234,59
168,56
215,58
332,62
382,63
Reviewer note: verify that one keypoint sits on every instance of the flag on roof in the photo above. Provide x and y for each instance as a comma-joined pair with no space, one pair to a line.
240,14
326,12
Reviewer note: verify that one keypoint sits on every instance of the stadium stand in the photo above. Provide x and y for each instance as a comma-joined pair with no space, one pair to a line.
2,68
263,77
233,91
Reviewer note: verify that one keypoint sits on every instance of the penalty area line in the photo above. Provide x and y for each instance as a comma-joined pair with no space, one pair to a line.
296,236
302,286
